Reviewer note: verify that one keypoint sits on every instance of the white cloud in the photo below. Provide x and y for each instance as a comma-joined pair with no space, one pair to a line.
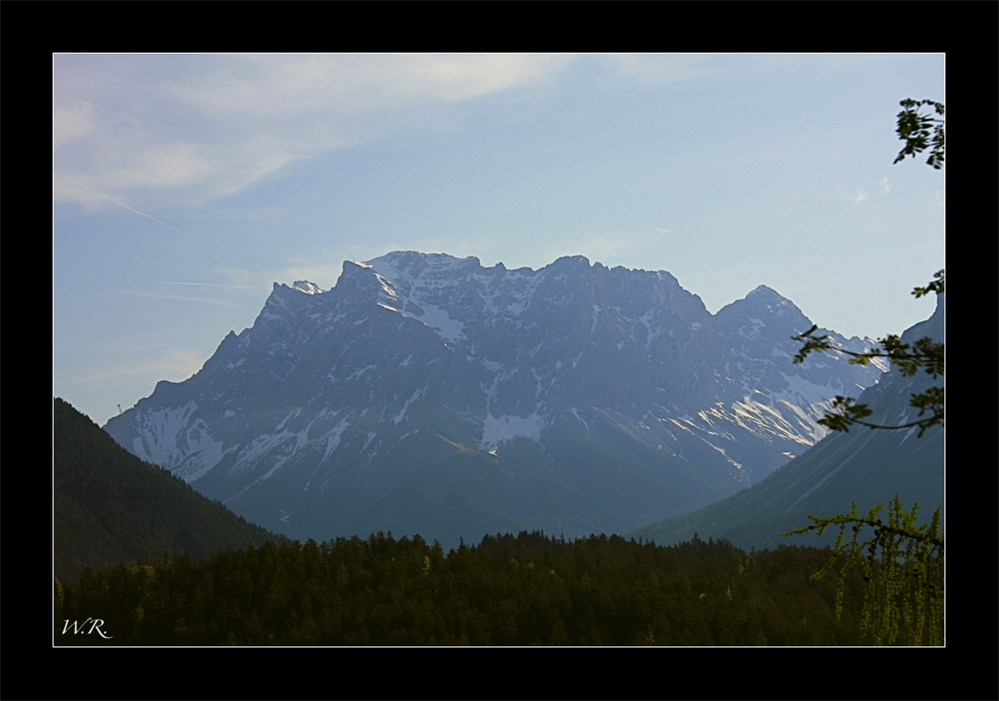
72,121
266,87
194,128
883,186
658,68
172,363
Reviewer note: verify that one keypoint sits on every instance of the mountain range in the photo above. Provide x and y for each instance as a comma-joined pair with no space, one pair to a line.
427,394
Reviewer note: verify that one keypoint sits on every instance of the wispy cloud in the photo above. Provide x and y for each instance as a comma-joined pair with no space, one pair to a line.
883,187
180,298
265,87
657,68
171,364
198,128
858,198
212,284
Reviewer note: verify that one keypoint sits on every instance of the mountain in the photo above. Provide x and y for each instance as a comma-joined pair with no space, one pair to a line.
863,466
109,506
427,394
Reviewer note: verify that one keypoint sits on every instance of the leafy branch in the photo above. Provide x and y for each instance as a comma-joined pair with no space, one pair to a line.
937,285
915,129
924,354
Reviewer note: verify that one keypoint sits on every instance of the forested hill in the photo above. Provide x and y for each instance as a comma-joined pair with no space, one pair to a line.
111,507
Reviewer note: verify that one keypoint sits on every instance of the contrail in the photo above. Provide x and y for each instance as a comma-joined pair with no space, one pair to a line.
117,202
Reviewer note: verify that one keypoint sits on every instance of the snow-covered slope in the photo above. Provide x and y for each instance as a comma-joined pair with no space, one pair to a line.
318,413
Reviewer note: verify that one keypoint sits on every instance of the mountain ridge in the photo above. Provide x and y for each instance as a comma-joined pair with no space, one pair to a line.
332,398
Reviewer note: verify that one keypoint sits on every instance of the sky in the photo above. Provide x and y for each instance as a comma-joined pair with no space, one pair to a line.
184,186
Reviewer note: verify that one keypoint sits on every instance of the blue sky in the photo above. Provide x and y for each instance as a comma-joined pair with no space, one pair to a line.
184,186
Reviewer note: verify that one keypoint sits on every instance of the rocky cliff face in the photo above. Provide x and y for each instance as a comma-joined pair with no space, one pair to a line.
425,393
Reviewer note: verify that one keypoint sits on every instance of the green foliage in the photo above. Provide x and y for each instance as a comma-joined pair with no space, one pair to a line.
904,584
915,129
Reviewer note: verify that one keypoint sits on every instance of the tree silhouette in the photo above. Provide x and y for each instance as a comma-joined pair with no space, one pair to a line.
924,354
914,129
904,586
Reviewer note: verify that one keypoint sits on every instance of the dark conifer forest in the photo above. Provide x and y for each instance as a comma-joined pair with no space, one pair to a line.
529,589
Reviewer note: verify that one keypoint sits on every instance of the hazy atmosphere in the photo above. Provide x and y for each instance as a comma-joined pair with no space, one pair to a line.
184,186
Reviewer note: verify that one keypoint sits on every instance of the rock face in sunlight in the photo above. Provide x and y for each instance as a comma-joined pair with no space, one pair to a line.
427,394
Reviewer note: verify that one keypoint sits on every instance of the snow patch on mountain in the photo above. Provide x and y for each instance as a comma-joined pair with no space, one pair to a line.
169,438
307,287
333,438
500,429
413,397
436,318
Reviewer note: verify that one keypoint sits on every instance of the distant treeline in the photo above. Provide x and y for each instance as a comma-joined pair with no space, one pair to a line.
529,589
